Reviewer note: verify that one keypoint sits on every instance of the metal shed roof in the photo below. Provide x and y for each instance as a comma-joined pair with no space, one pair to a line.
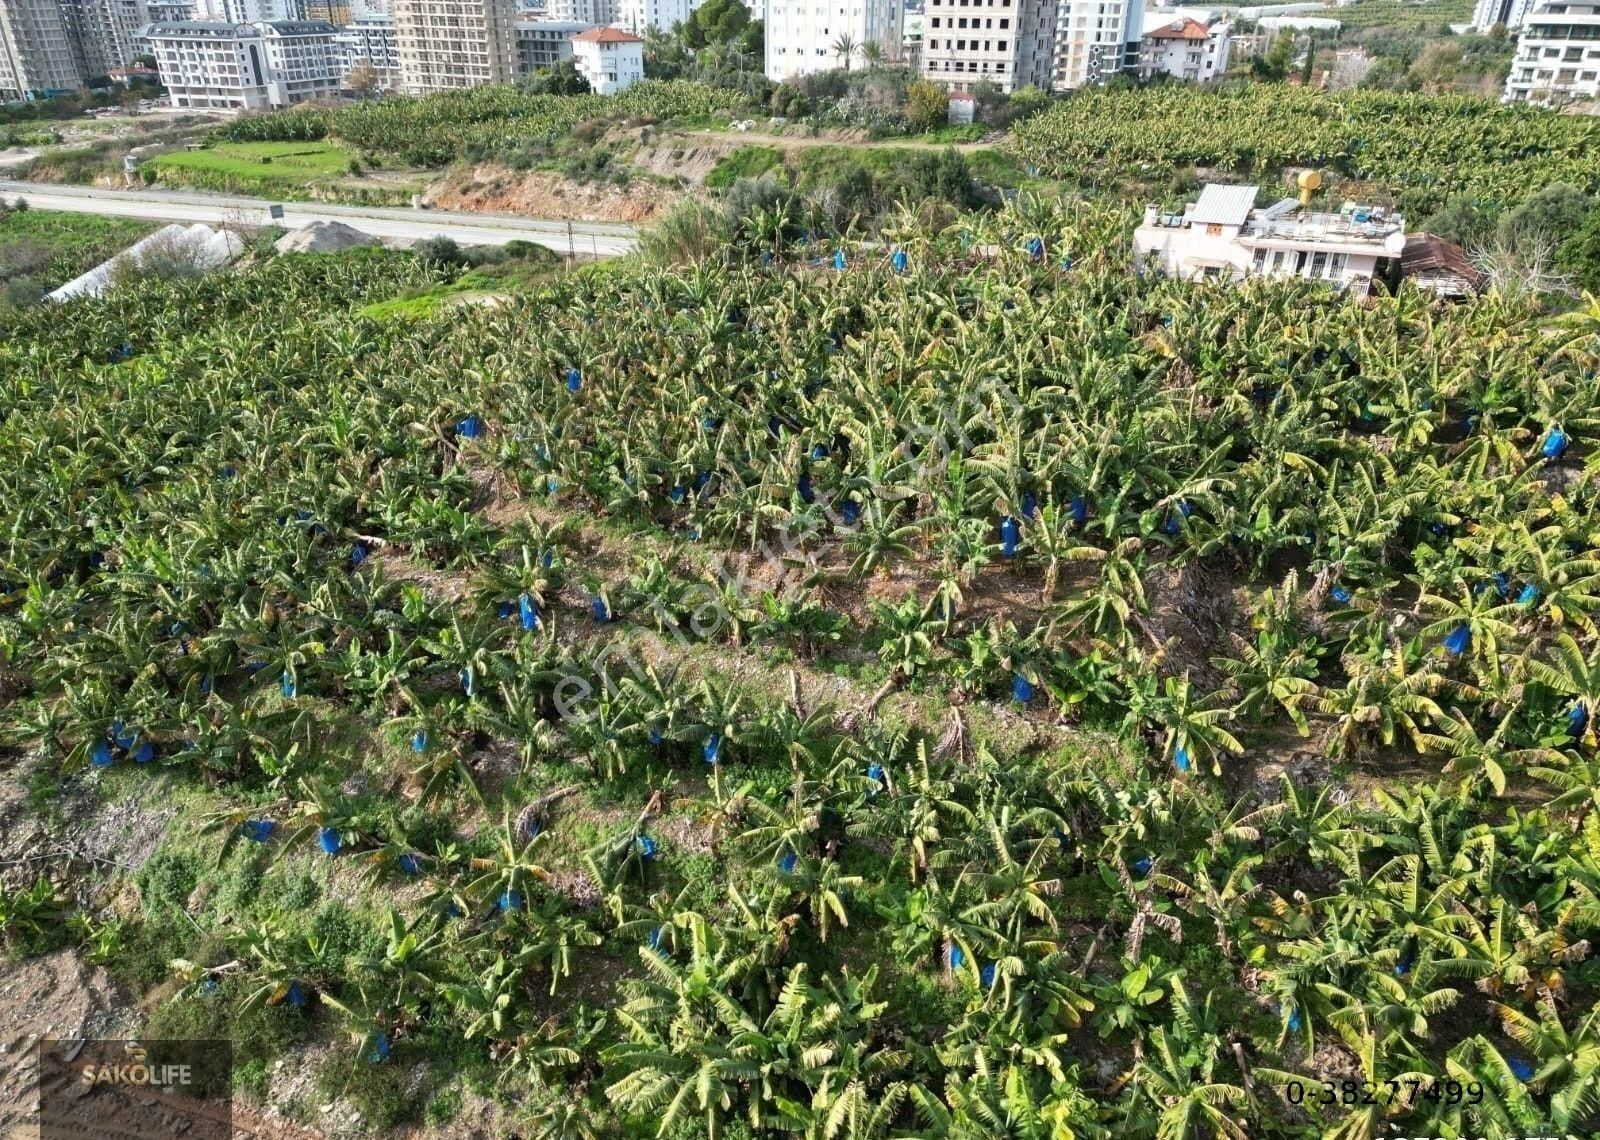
1223,205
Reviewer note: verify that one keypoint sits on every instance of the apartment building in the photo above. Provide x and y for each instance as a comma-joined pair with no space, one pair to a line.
209,64
1558,54
1222,236
639,16
170,11
1509,14
1184,48
213,65
303,60
1009,43
804,36
369,41
38,53
611,59
544,43
446,44
586,12
1096,39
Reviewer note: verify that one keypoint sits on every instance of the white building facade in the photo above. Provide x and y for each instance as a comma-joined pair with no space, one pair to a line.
369,41
1095,40
1184,49
1222,236
545,43
303,61
1509,14
209,65
639,16
448,44
802,36
1009,43
1558,54
611,59
590,13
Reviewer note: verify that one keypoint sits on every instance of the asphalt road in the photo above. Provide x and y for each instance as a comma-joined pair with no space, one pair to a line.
594,239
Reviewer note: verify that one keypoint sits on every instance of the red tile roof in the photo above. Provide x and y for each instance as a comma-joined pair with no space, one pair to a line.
1184,29
607,36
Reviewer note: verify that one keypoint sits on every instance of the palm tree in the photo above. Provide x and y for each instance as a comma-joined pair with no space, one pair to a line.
844,49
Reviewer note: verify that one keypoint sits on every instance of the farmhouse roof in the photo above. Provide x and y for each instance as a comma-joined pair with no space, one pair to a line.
1223,205
607,36
1184,29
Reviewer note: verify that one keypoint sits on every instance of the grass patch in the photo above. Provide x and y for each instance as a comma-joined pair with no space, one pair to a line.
40,249
256,166
746,162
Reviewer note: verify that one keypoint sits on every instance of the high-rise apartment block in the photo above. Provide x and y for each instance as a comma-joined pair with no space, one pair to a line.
369,42
445,44
1508,14
1096,39
1009,43
209,65
36,56
1558,54
805,36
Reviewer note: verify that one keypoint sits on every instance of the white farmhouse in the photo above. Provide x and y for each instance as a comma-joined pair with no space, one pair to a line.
1222,236
1183,48
611,59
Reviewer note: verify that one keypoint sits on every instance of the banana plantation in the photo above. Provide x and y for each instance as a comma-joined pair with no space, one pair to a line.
958,688
1419,148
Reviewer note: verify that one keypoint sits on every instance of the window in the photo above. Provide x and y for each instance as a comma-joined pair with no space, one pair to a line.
1260,262
1319,264
1336,264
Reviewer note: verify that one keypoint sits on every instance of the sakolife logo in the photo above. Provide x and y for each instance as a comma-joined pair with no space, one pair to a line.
136,1069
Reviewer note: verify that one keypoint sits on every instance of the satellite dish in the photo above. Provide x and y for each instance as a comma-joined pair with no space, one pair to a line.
1395,243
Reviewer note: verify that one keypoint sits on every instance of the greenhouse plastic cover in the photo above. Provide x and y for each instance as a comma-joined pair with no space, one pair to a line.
209,249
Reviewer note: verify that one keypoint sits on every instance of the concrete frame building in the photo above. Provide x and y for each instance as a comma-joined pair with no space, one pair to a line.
1009,43
545,43
801,34
450,44
1558,54
1222,236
